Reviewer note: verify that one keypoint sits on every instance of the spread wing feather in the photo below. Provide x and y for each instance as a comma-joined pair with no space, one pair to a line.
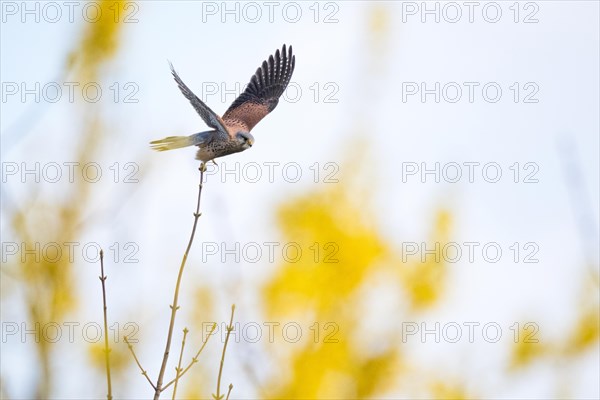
209,116
262,93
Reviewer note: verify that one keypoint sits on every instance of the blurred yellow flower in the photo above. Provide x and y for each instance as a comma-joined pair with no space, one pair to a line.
586,332
449,391
344,249
424,279
527,347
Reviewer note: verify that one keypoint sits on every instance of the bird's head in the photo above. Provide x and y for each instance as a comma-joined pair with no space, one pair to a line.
245,139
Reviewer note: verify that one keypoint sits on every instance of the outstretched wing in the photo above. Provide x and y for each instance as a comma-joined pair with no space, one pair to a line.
209,116
262,93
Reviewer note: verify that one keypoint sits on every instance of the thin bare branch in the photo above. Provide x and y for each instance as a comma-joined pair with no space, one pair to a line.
178,369
106,348
195,358
229,391
219,396
175,306
144,372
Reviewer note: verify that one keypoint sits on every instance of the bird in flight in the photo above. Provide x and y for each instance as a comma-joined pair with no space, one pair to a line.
231,133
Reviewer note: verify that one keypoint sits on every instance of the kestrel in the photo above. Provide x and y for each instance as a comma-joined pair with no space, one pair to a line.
231,133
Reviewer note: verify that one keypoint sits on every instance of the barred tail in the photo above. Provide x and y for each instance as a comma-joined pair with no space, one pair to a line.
172,142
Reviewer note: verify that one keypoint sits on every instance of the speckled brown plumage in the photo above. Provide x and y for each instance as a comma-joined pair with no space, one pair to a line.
262,93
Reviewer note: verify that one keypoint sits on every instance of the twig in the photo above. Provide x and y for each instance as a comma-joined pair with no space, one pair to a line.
194,359
144,372
106,348
178,369
174,306
219,396
229,391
